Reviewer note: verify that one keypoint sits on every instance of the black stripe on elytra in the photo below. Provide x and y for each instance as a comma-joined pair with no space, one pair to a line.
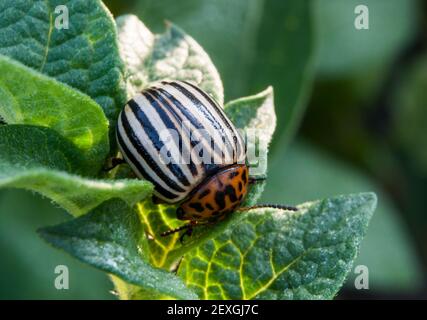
206,112
140,148
130,156
164,104
189,115
219,110
185,111
173,167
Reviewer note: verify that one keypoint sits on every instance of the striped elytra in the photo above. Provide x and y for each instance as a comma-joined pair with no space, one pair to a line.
176,136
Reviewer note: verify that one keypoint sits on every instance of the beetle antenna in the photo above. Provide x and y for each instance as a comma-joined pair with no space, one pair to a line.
171,231
269,205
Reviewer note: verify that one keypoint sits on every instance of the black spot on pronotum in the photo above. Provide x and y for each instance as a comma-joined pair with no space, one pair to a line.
220,199
231,192
240,186
197,206
209,206
204,194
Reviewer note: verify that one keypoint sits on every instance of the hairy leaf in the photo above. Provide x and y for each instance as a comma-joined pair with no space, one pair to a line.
28,97
173,55
256,111
109,238
304,172
38,159
273,254
84,55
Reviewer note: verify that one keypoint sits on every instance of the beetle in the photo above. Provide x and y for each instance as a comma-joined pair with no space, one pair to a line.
205,190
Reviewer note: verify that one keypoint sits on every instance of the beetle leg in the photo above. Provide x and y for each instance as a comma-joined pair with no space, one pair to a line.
187,227
157,200
253,180
187,232
114,163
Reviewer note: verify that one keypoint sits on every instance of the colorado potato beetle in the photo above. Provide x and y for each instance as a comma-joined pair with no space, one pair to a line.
176,136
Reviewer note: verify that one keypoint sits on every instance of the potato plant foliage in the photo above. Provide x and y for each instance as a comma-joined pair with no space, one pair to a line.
58,105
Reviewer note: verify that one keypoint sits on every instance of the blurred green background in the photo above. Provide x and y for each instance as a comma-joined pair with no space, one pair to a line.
352,117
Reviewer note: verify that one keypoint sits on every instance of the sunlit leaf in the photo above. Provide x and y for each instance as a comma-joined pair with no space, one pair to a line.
273,254
109,238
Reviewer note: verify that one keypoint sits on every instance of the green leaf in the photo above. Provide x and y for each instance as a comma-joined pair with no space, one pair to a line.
345,50
303,172
126,291
84,56
38,159
165,252
273,254
172,55
254,112
109,238
284,58
28,97
26,147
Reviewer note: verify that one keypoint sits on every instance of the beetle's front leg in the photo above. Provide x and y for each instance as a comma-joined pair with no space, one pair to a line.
257,179
187,232
114,163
